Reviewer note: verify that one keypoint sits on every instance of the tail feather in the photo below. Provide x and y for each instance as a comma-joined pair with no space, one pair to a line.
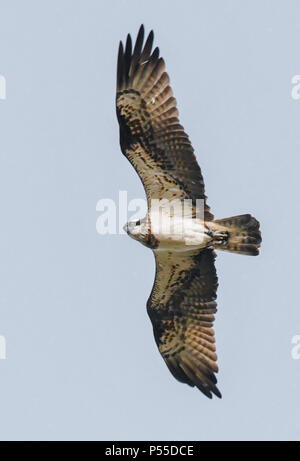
238,234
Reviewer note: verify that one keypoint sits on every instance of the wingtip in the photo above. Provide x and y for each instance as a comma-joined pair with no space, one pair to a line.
217,393
155,54
140,35
120,65
210,392
128,42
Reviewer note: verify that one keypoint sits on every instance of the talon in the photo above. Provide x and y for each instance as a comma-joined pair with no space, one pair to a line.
210,233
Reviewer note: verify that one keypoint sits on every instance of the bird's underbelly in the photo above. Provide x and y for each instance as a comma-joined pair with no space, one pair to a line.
181,234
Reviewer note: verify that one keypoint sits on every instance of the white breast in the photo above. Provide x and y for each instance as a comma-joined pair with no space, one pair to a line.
177,233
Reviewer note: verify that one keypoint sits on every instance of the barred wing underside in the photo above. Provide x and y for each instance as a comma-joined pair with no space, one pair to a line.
151,136
182,307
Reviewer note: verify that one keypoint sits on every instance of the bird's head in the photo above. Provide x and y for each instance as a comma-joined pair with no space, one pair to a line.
139,230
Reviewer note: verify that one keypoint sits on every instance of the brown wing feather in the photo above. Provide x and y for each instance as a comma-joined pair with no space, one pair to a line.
151,136
182,307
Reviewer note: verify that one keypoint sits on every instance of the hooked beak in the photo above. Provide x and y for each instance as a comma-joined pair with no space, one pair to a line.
126,228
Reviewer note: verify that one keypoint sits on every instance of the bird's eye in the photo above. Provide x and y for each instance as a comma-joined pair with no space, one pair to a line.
138,223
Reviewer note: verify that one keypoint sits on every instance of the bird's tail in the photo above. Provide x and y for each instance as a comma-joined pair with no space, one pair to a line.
238,234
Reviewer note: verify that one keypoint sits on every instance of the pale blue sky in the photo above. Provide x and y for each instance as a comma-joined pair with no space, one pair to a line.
81,359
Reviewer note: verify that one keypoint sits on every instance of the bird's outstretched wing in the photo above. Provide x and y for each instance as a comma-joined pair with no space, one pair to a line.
150,134
182,307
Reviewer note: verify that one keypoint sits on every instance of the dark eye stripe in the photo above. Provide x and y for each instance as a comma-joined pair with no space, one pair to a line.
138,222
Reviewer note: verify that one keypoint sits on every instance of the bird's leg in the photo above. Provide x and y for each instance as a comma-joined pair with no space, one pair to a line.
220,237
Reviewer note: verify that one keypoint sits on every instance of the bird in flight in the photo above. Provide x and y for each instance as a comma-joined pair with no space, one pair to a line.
179,227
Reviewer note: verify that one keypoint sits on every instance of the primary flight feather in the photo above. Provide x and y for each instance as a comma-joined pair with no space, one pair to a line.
182,303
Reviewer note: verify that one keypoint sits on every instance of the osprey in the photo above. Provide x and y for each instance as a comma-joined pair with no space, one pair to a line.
182,303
